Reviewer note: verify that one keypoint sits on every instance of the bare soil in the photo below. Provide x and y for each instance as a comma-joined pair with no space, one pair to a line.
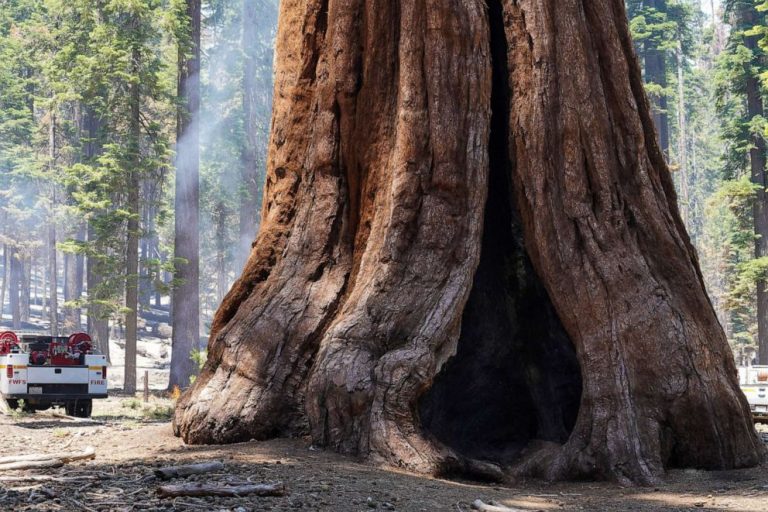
132,438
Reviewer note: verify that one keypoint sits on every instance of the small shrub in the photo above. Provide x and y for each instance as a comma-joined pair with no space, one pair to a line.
199,357
131,403
158,412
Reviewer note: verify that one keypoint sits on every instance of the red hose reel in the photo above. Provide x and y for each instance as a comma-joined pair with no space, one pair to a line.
8,342
77,346
72,352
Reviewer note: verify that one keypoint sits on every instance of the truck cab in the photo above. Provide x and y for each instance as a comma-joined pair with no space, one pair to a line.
46,371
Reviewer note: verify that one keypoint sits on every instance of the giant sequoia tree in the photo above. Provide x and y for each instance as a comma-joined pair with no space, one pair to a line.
470,257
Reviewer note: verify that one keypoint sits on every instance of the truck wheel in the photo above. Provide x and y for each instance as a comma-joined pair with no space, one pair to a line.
83,408
69,407
12,404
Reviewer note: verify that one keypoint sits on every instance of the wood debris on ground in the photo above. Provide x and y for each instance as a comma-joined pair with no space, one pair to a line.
129,452
132,486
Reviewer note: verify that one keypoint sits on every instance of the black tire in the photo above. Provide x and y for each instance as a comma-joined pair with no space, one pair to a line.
69,407
12,404
83,408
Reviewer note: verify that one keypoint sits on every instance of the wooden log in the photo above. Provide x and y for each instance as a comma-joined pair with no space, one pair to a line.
89,421
88,453
493,507
199,489
32,464
44,460
48,478
169,472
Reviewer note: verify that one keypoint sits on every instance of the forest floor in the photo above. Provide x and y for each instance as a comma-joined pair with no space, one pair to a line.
131,439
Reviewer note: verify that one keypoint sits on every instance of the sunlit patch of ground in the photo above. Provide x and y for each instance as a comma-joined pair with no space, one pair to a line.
749,501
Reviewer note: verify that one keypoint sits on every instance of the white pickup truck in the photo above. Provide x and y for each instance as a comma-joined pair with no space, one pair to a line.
754,384
45,371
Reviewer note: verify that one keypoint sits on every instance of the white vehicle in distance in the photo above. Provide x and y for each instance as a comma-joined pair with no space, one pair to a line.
46,371
754,385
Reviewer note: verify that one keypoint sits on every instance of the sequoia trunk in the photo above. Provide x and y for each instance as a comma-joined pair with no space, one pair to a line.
479,179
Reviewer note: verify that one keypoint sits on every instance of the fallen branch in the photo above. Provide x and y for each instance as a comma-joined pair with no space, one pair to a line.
198,489
169,472
88,453
493,507
75,419
48,478
44,460
32,464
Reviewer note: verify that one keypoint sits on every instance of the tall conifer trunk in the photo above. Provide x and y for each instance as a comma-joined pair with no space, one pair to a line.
682,136
656,73
53,269
469,228
73,284
25,271
97,320
757,158
15,287
186,291
132,230
250,194
4,276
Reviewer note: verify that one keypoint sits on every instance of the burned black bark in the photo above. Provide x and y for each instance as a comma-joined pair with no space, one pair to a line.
513,351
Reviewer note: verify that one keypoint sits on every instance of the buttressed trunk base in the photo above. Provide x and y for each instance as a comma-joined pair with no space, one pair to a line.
470,258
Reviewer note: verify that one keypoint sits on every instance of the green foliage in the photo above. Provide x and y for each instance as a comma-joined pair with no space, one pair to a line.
661,25
88,103
718,140
131,403
158,412
200,357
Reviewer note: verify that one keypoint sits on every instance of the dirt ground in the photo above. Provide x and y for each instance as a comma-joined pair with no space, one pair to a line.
132,438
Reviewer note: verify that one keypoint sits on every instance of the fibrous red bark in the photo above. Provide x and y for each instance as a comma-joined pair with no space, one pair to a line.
447,177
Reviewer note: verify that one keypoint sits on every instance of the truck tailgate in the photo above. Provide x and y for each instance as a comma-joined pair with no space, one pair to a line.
57,374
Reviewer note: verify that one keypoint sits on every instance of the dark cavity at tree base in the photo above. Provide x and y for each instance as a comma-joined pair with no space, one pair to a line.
515,377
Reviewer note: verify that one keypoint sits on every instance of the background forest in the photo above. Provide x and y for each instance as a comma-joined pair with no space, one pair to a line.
96,160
